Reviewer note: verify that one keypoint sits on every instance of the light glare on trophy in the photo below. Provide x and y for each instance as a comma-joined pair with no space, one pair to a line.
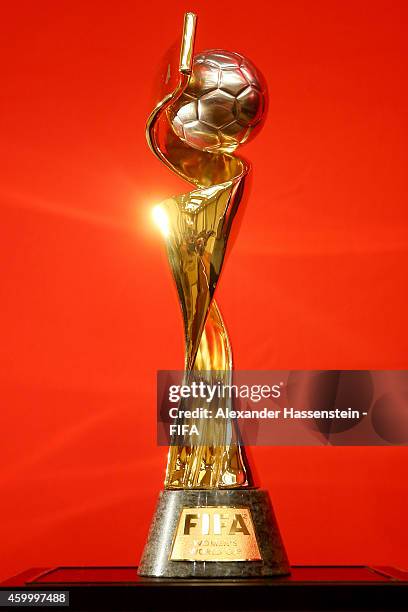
211,520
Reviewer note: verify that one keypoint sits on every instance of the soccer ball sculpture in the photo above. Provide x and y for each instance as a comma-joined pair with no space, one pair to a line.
223,104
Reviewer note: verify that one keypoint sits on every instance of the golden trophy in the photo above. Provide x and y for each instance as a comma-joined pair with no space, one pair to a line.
211,520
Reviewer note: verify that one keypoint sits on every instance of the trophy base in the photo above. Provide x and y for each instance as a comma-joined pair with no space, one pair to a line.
219,533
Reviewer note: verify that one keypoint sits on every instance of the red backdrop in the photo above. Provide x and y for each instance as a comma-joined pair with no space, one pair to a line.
317,278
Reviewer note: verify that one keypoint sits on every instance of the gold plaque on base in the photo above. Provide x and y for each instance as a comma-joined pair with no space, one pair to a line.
215,534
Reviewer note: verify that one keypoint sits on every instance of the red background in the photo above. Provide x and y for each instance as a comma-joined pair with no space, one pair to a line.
317,278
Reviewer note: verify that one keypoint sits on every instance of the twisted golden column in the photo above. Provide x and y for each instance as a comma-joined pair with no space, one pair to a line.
196,227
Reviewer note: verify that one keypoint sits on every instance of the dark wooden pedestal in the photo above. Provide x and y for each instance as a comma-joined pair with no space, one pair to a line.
307,588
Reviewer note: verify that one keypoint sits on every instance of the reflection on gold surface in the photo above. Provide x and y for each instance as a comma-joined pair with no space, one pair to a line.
196,227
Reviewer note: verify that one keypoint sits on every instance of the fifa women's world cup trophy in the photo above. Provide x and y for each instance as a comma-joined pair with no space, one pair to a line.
211,521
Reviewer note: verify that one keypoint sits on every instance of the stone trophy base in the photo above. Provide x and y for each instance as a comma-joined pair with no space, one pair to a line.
214,533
